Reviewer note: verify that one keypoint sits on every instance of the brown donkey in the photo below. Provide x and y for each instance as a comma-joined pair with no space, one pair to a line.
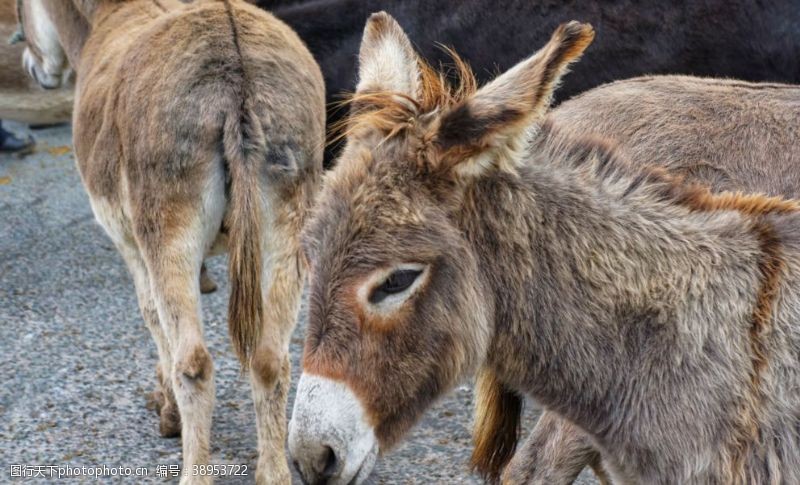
656,316
195,126
731,135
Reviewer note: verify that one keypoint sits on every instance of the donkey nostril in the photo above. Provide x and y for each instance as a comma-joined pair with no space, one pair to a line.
330,463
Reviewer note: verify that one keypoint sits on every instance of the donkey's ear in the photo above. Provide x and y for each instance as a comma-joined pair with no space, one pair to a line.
387,62
495,119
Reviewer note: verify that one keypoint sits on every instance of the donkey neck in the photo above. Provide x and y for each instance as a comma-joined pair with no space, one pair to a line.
592,275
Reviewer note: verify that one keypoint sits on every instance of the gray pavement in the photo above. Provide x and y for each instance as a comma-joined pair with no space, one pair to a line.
76,361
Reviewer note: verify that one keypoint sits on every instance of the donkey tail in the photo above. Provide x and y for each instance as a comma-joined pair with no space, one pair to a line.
497,423
243,145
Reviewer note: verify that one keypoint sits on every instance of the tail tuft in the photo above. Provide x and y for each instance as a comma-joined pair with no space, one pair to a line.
242,141
497,424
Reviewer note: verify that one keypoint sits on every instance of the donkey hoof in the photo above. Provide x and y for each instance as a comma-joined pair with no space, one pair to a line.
170,423
273,475
207,285
197,480
155,401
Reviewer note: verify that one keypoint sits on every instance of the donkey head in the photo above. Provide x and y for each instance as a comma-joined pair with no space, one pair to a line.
399,311
44,57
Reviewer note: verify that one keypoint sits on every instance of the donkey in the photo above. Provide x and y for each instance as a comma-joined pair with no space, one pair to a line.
750,41
21,98
738,137
196,128
656,316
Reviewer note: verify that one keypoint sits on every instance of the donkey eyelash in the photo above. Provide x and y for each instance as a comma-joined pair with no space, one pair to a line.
387,289
397,282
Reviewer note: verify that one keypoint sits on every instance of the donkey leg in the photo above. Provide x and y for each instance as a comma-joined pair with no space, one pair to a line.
174,268
270,400
555,453
167,408
270,368
207,285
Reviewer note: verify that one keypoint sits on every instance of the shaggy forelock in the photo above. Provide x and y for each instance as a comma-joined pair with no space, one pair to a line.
364,195
392,112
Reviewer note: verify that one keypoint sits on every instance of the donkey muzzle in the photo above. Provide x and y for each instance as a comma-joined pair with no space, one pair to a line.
330,440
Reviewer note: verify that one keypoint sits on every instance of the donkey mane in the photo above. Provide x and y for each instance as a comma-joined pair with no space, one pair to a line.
599,159
394,112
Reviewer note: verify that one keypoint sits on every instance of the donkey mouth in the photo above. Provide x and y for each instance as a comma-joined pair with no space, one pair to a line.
46,81
50,87
330,437
339,476
365,470
39,75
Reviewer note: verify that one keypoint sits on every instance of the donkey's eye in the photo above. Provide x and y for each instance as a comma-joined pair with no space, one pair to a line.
397,282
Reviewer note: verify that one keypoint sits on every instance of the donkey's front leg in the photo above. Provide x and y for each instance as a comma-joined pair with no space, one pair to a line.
555,452
270,369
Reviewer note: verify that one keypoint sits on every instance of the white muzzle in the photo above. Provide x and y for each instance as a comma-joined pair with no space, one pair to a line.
330,440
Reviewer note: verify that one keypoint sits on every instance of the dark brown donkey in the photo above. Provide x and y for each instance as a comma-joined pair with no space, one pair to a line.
197,128
656,316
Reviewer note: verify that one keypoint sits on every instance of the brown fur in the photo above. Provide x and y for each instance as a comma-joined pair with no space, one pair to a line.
462,138
12,76
391,113
626,299
245,307
199,128
730,135
601,157
771,266
207,285
557,451
197,365
698,197
165,407
497,425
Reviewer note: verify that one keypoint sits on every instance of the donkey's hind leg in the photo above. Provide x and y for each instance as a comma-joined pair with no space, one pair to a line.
270,366
174,266
167,408
207,285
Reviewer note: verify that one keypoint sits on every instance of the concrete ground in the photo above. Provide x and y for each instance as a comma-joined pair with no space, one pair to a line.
76,361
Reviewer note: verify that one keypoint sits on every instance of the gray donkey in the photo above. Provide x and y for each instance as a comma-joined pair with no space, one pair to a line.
658,317
731,135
